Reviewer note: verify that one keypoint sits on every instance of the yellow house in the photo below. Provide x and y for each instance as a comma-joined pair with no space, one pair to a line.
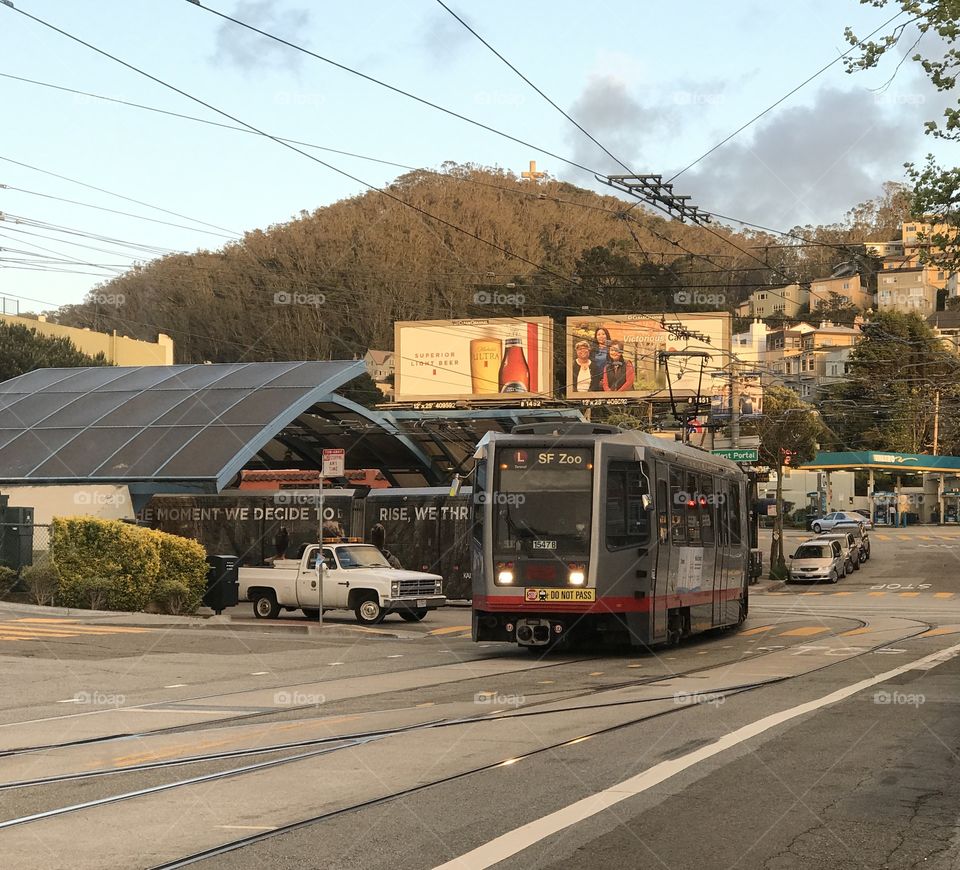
788,300
848,287
118,349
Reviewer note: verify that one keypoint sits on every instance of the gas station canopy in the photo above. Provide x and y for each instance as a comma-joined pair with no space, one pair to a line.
905,463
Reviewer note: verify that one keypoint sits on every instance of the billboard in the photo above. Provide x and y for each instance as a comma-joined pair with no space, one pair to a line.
645,356
749,395
495,359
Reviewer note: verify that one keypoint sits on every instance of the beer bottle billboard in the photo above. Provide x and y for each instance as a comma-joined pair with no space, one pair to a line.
514,371
485,365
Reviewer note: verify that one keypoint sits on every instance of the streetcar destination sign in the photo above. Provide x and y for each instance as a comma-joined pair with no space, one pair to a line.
738,454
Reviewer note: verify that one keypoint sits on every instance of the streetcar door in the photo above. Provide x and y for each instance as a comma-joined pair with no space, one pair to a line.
658,586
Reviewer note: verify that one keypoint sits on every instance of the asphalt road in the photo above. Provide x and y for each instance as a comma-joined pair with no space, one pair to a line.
823,734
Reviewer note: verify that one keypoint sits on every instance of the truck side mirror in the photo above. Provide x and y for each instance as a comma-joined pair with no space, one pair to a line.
646,501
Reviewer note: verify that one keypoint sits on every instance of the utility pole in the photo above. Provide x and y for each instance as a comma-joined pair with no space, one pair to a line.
734,406
936,422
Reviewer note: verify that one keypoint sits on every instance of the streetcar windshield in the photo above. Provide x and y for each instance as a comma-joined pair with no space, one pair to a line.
361,557
542,500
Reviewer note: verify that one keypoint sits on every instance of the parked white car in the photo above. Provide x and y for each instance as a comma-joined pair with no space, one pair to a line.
356,577
824,524
818,560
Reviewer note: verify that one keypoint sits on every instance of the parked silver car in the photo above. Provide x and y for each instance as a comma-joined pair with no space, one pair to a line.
817,560
860,534
849,544
824,524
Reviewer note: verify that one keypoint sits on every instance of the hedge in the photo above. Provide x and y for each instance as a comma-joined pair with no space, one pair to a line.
112,565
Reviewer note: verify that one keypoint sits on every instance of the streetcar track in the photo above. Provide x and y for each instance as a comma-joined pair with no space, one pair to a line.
361,737
213,723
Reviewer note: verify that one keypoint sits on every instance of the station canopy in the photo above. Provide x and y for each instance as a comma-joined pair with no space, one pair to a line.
905,463
193,428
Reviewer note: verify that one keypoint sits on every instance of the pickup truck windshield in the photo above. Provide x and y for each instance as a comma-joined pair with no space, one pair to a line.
361,557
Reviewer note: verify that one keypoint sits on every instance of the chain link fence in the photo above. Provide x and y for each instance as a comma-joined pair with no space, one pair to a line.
22,545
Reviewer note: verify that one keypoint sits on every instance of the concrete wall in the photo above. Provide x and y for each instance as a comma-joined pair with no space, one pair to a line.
118,349
106,502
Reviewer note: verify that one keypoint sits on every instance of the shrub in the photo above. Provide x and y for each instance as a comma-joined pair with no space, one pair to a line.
108,564
8,579
42,582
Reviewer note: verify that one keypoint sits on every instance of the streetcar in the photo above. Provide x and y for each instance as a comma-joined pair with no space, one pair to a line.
591,530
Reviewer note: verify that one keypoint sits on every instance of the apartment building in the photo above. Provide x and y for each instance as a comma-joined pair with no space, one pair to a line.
849,287
906,290
788,300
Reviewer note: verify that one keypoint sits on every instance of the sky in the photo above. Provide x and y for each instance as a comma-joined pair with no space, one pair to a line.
658,84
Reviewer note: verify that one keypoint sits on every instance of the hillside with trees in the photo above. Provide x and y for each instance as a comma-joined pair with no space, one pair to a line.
330,283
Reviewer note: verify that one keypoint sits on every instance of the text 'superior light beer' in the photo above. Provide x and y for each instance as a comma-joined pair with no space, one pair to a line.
484,365
514,371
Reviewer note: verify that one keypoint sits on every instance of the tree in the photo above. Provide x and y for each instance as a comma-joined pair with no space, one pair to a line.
936,194
23,349
363,391
789,431
838,310
896,373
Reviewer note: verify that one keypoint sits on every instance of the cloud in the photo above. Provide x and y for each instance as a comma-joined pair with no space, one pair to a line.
444,38
811,163
239,47
624,124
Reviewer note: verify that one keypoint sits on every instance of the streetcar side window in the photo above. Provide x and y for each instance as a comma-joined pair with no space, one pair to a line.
705,502
693,509
479,486
723,513
734,513
678,507
627,520
663,511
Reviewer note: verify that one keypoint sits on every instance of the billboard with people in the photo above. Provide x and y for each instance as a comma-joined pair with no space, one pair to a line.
645,355
493,359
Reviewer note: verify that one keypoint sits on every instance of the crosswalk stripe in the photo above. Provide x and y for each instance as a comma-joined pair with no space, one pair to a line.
757,630
841,593
450,629
877,594
883,537
943,594
108,629
74,629
805,631
909,594
936,632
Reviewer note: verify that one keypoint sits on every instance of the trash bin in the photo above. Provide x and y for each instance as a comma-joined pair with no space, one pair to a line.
223,584
756,565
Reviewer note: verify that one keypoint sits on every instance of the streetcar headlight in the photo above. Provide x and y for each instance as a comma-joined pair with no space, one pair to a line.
577,577
504,573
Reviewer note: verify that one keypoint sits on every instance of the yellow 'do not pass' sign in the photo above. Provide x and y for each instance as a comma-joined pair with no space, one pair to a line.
560,595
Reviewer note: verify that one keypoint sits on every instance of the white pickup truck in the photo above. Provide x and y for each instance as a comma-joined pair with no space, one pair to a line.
356,577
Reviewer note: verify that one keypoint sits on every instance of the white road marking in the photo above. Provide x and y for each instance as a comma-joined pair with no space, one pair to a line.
175,686
515,841
259,673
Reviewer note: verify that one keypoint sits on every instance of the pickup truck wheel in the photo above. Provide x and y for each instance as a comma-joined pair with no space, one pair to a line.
413,615
369,612
265,606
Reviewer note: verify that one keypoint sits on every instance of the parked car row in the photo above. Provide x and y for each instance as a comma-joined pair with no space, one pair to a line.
832,554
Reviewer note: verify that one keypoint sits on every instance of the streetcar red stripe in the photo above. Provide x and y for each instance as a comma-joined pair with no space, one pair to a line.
610,604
